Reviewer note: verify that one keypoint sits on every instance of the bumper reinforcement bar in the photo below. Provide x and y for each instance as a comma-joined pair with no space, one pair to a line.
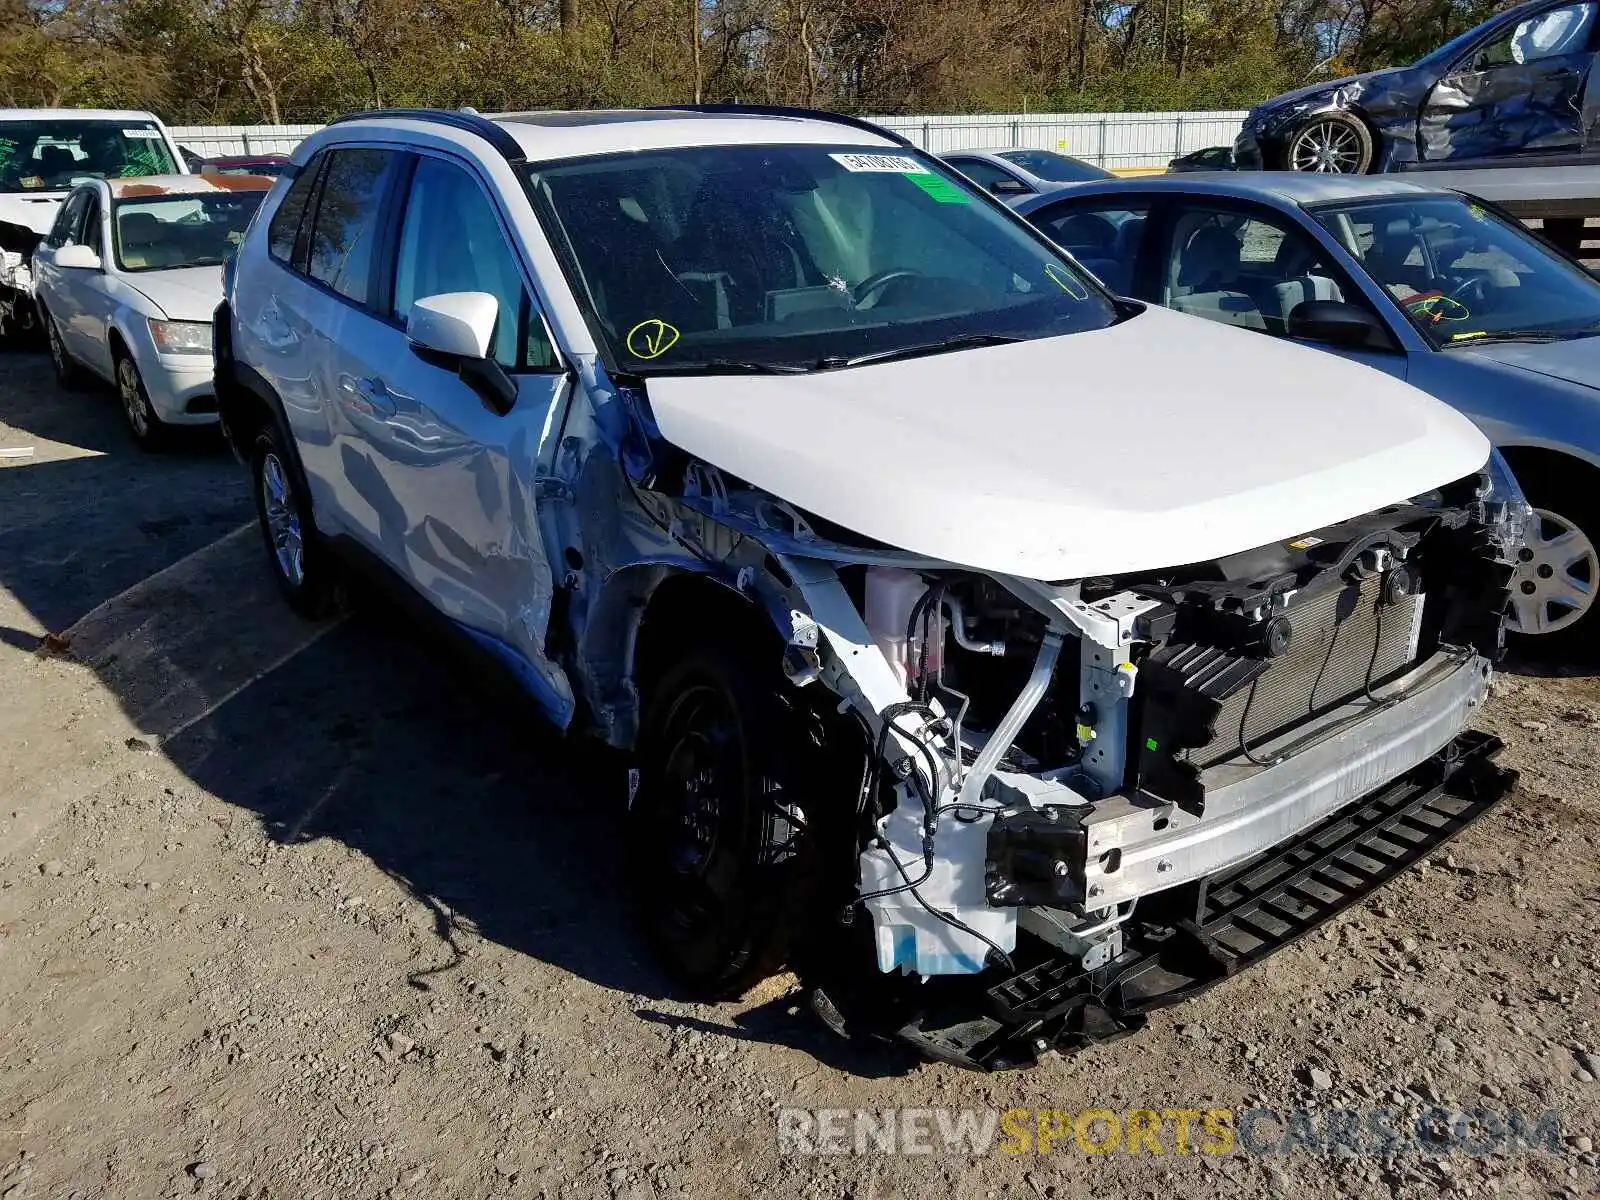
1184,941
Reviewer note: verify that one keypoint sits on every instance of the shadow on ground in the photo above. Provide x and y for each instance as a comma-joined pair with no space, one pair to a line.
372,735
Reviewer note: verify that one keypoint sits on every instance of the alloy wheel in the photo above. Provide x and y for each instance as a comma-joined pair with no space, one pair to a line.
1326,147
283,520
1554,583
133,401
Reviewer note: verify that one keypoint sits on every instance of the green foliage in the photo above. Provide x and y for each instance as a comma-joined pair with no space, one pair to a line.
226,61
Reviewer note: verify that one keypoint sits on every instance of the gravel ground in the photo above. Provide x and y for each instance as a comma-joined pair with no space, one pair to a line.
293,910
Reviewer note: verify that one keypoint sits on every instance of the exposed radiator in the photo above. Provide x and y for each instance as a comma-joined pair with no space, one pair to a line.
1327,662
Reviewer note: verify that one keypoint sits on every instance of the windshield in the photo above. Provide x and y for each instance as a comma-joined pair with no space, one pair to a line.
799,257
158,234
1057,168
54,155
1462,273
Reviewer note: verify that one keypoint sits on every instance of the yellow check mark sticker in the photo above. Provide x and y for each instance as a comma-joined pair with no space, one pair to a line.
652,338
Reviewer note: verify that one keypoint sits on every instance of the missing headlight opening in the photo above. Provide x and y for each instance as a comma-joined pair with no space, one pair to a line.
1084,800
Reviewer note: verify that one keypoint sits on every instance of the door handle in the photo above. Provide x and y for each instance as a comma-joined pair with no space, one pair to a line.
372,395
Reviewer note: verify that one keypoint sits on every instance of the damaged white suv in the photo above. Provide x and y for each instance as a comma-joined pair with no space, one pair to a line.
1008,658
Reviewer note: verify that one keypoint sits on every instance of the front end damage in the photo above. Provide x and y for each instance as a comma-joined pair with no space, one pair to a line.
17,312
1085,800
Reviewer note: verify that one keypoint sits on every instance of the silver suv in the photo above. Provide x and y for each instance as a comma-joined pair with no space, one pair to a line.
1007,657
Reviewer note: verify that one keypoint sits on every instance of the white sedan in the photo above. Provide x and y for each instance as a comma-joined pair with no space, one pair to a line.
128,279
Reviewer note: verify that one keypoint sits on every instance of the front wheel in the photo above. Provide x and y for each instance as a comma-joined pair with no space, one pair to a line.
148,430
720,854
1332,144
1558,571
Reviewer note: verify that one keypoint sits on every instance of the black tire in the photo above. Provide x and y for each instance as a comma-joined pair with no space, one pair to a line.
1331,143
149,431
1561,506
296,555
722,858
69,375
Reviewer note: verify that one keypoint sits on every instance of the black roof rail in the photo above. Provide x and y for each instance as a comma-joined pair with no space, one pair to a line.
468,122
783,110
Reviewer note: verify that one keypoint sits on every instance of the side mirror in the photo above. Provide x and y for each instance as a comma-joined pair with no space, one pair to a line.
457,328
455,324
1336,323
1010,187
78,258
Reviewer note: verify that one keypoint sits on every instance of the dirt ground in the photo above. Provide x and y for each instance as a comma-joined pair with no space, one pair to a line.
295,911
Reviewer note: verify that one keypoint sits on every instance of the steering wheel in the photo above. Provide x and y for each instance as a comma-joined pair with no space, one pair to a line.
873,284
1476,284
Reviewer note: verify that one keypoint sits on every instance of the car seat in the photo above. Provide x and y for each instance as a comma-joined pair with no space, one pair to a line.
1387,259
734,252
55,160
1208,283
1301,275
143,242
623,260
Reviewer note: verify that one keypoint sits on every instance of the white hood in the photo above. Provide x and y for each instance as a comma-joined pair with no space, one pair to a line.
183,293
1161,441
32,210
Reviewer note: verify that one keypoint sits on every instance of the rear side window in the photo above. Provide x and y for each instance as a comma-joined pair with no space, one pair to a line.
345,226
284,228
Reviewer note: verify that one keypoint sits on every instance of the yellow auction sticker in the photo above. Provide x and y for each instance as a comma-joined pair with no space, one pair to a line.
652,338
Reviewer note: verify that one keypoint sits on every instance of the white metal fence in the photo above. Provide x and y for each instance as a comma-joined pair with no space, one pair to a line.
1109,139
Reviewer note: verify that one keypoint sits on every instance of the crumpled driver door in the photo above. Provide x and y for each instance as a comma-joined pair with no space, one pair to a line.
1522,92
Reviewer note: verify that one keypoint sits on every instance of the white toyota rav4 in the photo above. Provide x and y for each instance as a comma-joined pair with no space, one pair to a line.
1009,658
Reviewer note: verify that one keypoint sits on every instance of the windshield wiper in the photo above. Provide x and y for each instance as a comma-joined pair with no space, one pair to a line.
1520,335
729,366
965,341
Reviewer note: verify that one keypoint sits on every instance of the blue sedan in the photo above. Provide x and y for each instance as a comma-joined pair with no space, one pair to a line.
1428,285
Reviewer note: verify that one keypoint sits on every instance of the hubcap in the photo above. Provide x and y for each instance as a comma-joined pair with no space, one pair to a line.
699,782
132,400
1328,147
1554,582
58,353
283,520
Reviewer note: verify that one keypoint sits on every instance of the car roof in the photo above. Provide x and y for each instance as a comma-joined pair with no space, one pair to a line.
1278,188
554,135
74,114
1001,151
142,186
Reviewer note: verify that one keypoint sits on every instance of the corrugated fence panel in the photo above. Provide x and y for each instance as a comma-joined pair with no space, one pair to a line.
1109,139
218,141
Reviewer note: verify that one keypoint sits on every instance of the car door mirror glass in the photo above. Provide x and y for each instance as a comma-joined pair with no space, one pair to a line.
77,258
458,324
1337,323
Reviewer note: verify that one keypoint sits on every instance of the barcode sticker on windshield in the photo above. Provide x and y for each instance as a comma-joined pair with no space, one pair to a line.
898,164
146,135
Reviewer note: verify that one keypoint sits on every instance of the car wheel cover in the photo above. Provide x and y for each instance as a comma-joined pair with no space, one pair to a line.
700,776
283,520
1327,147
58,352
1554,582
133,402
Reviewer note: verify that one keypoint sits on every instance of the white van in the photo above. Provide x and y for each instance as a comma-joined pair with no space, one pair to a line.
44,153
